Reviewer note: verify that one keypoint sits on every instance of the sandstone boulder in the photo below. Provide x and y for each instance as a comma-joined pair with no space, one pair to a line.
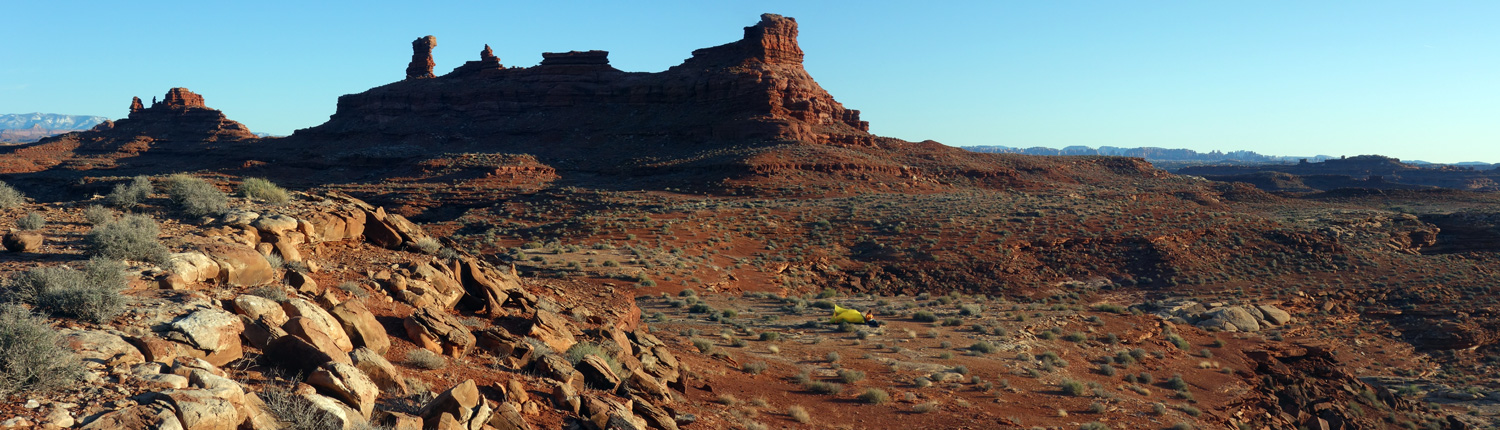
153,416
379,370
597,373
215,331
553,330
462,403
361,327
557,368
102,347
1275,315
508,417
23,241
439,332
305,350
1231,317
260,308
347,383
316,317
189,268
201,410
240,266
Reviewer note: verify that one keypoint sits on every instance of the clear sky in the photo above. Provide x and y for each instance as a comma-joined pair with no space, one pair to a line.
1413,80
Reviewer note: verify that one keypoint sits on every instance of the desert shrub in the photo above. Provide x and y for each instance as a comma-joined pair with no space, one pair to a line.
953,322
821,387
275,261
833,356
429,245
923,316
850,376
353,289
983,347
1094,426
92,294
1179,342
1107,370
195,196
294,412
875,396
755,367
132,237
922,382
1073,388
1191,411
701,308
1176,383
703,345
32,357
1075,337
799,413
424,359
1185,426
261,189
579,350
1111,308
130,194
925,407
275,294
1097,407
9,197
770,336
32,221
97,215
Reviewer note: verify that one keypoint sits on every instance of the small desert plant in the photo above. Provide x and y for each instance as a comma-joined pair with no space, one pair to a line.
1094,426
195,196
128,195
9,197
799,413
922,382
982,347
1097,407
1176,383
92,294
754,367
579,350
923,316
132,237
261,189
32,357
32,221
875,396
850,376
833,356
925,407
429,245
98,215
275,294
294,412
424,359
353,289
1073,388
821,387
703,345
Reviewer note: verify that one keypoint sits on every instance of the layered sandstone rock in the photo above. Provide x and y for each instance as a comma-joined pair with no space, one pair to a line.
754,90
421,58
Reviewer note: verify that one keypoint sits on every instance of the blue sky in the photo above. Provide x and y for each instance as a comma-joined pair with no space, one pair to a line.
1414,80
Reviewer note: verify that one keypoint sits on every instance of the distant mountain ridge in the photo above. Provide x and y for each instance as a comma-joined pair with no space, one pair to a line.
54,121
31,127
1152,154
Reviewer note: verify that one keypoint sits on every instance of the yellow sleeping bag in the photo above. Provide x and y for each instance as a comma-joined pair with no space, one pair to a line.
841,315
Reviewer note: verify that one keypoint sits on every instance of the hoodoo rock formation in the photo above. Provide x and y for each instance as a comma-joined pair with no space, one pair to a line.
421,58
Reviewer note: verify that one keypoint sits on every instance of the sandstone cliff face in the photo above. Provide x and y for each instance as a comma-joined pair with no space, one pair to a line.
754,90
180,116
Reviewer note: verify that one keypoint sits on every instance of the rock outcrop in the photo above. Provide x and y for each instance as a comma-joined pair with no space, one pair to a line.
421,58
751,90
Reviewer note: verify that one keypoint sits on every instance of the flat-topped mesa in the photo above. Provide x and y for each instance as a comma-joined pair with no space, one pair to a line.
576,58
421,58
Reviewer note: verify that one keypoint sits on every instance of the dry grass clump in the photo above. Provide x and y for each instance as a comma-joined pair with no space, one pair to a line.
196,197
132,237
424,359
799,413
262,189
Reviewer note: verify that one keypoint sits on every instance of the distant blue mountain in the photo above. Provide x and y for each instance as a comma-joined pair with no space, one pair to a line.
1153,154
50,121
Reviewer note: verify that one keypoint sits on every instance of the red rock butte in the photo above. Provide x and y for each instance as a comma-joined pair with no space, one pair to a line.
753,90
